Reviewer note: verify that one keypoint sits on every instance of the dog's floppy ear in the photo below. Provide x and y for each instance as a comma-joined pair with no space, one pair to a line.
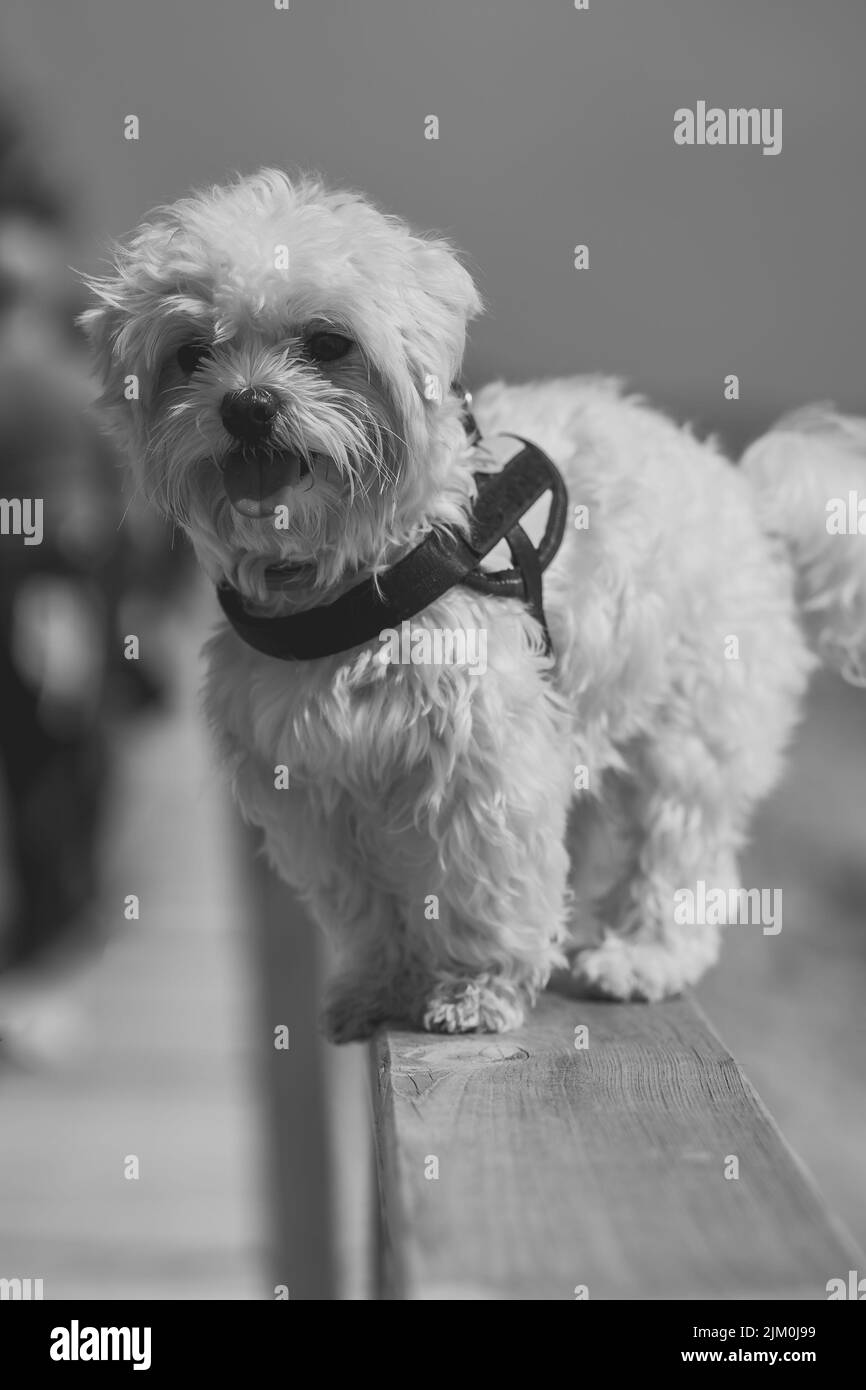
441,302
445,278
103,325
118,325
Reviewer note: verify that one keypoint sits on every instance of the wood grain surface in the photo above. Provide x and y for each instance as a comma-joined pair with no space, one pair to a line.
602,1167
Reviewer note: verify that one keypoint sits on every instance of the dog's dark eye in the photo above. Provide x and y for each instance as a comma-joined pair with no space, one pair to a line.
191,355
328,347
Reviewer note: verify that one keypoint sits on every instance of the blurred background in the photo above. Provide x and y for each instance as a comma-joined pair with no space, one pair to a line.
148,1036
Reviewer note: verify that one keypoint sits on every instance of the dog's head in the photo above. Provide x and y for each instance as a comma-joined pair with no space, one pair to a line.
277,361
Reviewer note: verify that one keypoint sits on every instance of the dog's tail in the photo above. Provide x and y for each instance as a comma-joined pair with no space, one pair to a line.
809,475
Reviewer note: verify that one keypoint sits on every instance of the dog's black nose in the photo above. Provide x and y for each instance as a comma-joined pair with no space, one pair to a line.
249,414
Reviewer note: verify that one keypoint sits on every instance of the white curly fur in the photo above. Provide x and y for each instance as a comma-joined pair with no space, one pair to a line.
420,780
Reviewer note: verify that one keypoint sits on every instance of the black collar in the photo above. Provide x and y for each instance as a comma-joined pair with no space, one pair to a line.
439,562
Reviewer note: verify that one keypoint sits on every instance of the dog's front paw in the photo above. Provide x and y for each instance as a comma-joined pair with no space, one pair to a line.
481,1005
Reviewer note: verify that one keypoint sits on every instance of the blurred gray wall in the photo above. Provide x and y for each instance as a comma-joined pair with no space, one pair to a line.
556,127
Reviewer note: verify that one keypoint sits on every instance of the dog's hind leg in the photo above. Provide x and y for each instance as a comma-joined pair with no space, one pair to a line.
652,946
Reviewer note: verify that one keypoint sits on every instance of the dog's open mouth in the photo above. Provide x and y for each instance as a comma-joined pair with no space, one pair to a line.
257,484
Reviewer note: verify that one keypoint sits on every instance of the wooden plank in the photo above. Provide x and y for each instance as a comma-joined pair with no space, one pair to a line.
602,1167
300,1231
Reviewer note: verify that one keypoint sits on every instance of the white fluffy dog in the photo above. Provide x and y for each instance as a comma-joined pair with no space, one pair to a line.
283,339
